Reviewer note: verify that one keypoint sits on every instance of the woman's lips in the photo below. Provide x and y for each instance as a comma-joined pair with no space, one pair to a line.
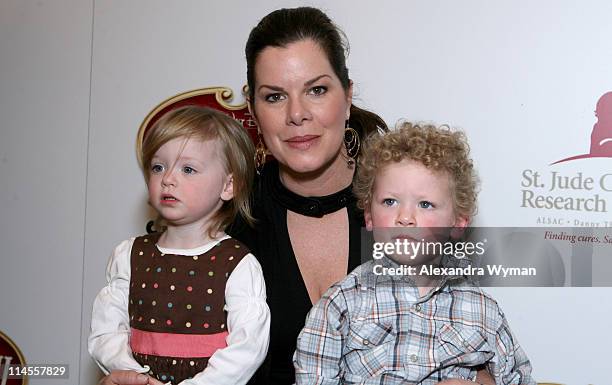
302,142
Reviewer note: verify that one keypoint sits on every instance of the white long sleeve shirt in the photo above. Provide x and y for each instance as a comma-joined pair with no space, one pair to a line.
248,320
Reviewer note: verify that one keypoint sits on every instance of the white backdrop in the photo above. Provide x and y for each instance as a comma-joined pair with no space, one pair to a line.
77,77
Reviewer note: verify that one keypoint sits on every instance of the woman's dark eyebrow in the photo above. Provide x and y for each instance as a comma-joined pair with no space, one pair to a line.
307,83
273,88
314,80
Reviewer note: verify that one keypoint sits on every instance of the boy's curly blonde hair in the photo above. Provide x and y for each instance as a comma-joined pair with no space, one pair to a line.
439,149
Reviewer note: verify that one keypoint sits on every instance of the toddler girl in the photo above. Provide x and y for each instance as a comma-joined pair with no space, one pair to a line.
187,305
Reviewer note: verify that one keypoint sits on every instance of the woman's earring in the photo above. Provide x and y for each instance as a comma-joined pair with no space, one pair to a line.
351,143
260,154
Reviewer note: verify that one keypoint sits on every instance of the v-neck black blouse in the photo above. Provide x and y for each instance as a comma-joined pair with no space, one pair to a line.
286,291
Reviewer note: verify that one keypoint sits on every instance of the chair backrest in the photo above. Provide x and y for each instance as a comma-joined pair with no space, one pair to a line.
213,97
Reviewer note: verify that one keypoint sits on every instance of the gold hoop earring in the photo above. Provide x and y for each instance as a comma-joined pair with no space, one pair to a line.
260,154
351,143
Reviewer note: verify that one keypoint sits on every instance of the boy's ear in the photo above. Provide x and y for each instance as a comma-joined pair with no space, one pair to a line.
228,188
461,222
367,215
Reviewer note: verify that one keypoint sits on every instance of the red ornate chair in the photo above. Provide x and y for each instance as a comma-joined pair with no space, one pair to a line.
213,97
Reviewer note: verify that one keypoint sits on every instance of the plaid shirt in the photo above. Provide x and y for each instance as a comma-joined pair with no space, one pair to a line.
374,329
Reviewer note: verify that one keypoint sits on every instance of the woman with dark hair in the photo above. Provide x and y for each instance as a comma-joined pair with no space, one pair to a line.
307,235
308,231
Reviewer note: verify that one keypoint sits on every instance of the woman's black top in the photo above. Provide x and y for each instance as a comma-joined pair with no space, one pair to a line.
269,241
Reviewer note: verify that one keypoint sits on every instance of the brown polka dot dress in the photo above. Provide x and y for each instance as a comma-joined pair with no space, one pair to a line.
176,305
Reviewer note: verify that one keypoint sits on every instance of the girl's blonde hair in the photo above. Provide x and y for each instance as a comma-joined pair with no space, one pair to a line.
237,152
438,148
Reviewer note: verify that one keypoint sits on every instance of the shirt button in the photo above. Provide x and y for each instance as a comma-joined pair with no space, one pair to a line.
417,307
413,358
466,344
366,342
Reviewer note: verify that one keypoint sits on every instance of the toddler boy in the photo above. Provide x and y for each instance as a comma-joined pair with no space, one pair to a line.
416,185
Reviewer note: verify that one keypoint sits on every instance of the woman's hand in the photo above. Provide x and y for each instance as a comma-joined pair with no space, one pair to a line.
128,377
455,381
482,378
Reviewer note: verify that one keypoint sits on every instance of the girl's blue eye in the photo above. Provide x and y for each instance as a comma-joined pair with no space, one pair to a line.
389,201
318,90
426,205
189,170
157,168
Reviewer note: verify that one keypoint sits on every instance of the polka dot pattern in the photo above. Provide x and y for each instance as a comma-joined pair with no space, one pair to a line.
179,294
171,369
